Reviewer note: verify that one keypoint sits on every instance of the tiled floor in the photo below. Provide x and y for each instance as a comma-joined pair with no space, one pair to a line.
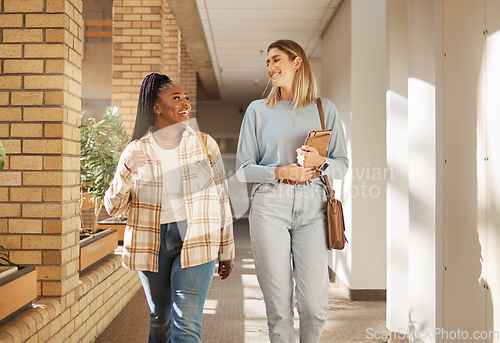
234,310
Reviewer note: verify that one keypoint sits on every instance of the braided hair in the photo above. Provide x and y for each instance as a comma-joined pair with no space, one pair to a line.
151,86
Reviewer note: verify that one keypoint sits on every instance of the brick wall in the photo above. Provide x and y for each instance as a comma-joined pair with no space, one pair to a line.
145,40
88,217
40,95
101,294
40,61
189,78
170,44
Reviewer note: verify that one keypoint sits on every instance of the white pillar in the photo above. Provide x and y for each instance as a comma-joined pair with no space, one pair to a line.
397,164
368,139
425,123
354,78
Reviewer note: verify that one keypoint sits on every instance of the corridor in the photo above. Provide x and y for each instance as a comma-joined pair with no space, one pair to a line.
234,310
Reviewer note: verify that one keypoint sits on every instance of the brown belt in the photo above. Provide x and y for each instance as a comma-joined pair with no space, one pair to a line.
290,182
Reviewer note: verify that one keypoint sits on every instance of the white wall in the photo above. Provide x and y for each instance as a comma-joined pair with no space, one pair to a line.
471,42
97,70
318,75
353,68
492,200
220,121
397,163
443,206
453,166
463,44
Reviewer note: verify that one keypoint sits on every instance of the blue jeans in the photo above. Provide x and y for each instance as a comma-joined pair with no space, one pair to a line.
175,295
289,240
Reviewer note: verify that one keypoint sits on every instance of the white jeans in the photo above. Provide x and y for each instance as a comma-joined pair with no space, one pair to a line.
288,232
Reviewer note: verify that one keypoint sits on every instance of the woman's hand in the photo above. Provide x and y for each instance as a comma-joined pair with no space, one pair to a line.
294,172
135,160
225,268
308,157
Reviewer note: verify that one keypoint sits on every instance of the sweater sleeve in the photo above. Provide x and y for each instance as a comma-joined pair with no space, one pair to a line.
247,155
337,151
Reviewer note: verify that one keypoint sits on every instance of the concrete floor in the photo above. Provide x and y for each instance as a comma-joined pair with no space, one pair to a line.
234,310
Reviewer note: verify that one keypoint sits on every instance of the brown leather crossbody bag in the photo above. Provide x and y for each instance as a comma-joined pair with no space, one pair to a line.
334,212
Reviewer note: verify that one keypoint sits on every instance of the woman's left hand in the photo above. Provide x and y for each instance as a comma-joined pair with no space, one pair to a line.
308,157
225,268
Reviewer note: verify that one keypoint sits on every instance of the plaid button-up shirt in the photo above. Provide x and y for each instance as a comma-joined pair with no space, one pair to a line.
209,220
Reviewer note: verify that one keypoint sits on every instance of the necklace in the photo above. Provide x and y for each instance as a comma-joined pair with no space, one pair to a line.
168,143
288,113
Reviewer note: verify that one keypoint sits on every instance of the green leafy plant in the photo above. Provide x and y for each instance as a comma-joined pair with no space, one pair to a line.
2,155
4,258
101,144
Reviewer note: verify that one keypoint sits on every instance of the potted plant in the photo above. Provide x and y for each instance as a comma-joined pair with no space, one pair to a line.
101,144
18,286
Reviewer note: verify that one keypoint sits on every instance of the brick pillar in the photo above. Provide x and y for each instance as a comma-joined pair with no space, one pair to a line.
170,44
40,78
146,39
189,78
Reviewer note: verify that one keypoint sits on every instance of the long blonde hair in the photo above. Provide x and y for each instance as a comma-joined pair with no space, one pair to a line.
304,85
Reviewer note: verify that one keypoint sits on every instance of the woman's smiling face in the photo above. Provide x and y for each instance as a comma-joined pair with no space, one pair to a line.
172,105
280,68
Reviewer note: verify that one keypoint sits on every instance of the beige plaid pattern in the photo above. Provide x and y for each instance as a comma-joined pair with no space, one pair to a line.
209,219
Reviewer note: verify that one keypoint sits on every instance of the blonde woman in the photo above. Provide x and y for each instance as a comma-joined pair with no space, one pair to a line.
288,212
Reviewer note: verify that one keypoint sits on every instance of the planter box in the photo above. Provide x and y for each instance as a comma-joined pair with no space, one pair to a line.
97,246
111,223
5,271
17,290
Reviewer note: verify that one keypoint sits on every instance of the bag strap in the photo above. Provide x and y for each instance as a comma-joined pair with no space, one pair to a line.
331,192
321,115
203,138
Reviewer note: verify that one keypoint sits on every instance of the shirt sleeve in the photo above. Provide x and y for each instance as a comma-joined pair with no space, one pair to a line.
226,248
247,155
117,197
338,163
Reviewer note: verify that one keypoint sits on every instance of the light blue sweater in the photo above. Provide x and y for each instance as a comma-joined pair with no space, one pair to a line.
269,140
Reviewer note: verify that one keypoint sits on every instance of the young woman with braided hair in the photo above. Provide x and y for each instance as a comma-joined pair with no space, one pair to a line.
288,214
171,180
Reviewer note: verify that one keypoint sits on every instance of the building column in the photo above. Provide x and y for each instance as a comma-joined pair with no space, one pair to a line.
368,148
397,163
40,87
146,39
354,78
425,167
170,44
